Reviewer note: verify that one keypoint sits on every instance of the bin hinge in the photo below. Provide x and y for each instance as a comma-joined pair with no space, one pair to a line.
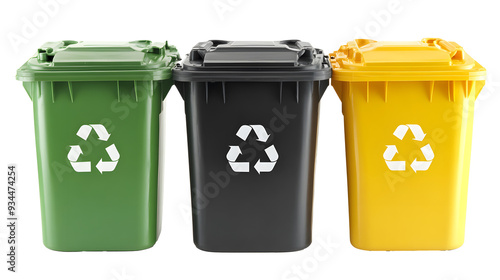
45,54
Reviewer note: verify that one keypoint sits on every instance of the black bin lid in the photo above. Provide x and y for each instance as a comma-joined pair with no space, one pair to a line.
289,60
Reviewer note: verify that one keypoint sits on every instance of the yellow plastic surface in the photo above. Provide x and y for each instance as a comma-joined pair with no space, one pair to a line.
389,91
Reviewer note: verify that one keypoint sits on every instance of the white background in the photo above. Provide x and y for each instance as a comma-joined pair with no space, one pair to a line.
326,24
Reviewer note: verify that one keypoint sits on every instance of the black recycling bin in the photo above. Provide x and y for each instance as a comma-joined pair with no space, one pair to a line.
252,115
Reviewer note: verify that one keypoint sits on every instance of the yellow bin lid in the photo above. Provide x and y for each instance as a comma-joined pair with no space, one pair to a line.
431,59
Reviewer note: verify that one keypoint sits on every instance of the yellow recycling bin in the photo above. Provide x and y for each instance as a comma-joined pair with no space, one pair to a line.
408,109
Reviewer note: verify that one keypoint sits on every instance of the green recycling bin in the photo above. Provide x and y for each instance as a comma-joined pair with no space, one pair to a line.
97,124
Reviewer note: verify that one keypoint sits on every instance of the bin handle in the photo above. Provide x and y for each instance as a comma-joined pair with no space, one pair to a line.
326,59
363,42
454,51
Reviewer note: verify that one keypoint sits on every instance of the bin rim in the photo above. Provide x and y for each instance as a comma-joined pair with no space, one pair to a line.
92,76
249,76
113,61
430,59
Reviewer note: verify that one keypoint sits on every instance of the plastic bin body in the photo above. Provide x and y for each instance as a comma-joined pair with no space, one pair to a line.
408,109
94,197
258,209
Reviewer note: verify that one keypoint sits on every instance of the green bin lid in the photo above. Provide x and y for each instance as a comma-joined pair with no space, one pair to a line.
100,61
289,60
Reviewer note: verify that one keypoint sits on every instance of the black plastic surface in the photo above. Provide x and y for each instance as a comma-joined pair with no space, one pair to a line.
252,211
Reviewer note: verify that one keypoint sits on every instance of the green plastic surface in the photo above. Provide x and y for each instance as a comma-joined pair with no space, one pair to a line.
98,210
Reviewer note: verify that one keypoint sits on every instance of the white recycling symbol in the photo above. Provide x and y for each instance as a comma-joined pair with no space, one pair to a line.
76,151
416,165
235,151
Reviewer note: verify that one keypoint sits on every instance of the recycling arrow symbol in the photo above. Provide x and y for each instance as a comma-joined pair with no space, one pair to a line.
418,135
235,151
85,166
